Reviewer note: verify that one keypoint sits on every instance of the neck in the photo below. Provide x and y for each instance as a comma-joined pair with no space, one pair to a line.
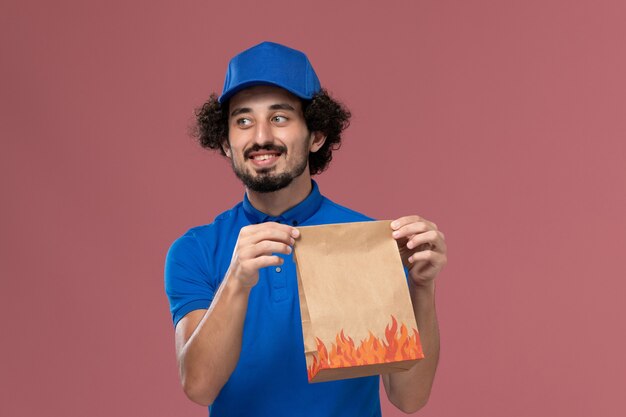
278,202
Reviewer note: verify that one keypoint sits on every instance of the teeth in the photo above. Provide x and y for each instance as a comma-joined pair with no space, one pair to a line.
263,157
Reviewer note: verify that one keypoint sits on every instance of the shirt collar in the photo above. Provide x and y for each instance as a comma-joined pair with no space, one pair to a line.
294,216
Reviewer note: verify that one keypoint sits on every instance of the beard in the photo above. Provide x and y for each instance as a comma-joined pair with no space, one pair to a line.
265,181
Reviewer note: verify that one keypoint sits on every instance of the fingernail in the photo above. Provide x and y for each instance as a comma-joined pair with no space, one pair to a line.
394,224
295,232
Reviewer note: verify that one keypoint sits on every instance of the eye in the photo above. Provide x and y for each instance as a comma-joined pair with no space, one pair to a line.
243,122
279,119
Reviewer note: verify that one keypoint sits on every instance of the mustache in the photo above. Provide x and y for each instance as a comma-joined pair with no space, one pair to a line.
256,148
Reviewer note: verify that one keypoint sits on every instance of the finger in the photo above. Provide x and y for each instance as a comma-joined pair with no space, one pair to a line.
264,248
284,234
403,221
430,256
255,228
410,229
264,261
431,238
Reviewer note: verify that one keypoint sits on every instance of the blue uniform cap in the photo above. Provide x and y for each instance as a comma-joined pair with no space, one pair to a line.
270,63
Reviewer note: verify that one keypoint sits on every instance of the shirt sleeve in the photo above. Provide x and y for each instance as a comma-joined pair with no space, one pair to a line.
187,284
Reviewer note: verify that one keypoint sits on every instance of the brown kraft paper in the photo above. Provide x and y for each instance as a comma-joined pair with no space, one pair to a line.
357,316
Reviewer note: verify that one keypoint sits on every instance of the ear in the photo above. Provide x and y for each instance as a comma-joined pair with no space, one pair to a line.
317,141
226,148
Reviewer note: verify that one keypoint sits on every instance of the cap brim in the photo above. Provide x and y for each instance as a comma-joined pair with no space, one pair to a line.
226,95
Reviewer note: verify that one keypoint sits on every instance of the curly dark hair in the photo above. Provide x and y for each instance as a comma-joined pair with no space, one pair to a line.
322,114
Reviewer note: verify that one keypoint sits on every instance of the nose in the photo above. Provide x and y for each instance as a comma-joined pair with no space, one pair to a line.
263,133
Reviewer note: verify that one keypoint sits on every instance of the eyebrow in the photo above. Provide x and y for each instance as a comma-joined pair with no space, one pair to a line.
282,106
278,106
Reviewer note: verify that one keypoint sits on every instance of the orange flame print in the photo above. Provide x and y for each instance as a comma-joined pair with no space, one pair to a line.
397,347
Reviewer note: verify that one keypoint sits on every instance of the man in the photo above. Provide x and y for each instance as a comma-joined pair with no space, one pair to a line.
232,284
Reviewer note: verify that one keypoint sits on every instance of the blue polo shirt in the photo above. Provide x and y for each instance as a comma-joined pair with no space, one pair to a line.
270,378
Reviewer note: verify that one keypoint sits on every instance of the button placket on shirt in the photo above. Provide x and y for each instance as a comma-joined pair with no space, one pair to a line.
281,280
278,275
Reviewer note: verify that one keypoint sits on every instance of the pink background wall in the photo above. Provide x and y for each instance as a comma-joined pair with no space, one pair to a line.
503,122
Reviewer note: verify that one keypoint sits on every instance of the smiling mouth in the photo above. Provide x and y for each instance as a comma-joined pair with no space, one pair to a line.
264,156
264,161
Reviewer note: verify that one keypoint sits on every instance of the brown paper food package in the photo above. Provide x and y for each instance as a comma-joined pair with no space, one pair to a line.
357,316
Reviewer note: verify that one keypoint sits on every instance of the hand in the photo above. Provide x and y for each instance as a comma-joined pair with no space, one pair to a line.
422,248
254,248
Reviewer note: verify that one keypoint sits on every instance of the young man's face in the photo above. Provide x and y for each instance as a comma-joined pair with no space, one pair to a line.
268,140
